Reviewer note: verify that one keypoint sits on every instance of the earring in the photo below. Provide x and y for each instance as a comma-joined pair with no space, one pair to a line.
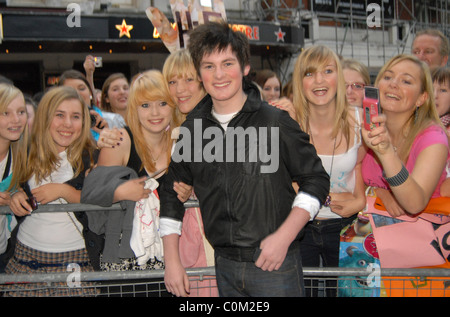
416,114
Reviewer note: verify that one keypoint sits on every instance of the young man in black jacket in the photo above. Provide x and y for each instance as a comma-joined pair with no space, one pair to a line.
241,155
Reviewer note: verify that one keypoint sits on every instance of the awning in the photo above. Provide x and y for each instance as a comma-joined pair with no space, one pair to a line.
106,30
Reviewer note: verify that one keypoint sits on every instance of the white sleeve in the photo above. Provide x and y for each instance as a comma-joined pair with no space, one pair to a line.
169,226
305,201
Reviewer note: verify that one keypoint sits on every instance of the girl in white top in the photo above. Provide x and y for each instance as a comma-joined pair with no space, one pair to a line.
50,242
323,112
13,153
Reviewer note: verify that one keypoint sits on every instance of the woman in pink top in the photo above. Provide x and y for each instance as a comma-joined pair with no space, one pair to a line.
409,137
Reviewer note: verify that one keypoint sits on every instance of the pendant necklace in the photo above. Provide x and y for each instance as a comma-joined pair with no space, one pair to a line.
328,199
160,153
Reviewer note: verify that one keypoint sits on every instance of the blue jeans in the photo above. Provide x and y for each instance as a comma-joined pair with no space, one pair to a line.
321,241
244,278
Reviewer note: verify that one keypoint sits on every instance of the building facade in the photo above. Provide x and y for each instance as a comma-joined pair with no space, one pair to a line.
42,38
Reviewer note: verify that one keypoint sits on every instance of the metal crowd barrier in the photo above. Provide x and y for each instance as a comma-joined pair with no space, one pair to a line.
319,281
150,283
81,207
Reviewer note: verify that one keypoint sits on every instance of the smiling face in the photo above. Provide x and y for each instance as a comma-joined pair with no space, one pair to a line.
320,85
67,123
154,116
117,95
186,90
354,87
222,75
400,88
13,120
271,89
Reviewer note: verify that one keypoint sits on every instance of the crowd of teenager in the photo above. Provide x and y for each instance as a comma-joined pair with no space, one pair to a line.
117,144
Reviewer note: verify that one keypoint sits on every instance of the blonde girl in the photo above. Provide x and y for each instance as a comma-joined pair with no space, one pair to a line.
13,154
410,136
61,149
334,130
145,147
195,251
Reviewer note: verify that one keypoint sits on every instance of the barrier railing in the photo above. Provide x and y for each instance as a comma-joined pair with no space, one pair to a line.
150,283
319,282
81,207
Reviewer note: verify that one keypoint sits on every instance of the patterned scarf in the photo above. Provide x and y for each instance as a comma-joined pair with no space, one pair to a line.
445,119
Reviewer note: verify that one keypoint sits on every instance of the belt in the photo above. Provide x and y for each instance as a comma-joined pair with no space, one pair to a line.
333,220
245,254
36,265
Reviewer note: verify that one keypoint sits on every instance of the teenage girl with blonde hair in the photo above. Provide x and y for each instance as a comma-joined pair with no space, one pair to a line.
334,130
145,148
195,250
13,154
61,149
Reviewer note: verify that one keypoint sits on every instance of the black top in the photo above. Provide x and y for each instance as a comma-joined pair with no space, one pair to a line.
135,161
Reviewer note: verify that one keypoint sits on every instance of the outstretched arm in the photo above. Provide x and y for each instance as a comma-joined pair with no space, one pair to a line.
175,277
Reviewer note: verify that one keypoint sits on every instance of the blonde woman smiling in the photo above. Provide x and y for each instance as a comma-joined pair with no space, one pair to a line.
334,130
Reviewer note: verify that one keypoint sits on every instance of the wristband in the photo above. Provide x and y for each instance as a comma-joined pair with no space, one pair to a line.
398,179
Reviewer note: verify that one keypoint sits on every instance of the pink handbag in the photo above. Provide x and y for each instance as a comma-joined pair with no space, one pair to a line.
407,241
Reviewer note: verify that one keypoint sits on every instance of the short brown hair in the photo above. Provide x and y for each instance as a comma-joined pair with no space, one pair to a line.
207,38
441,75
444,47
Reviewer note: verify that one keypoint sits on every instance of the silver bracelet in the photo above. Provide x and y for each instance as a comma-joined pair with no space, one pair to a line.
398,179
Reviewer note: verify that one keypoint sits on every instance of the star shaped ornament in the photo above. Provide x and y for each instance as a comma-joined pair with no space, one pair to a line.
124,29
280,35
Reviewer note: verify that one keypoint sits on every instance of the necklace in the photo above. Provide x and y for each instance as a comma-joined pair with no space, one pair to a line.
328,199
397,147
214,113
160,153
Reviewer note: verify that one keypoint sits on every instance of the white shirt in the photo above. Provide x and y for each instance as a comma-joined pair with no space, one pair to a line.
52,231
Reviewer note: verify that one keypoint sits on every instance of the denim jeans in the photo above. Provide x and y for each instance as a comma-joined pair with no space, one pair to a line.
242,279
321,242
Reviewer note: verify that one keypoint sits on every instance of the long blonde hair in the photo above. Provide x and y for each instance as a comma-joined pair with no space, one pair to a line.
424,115
44,156
19,148
149,86
180,64
309,61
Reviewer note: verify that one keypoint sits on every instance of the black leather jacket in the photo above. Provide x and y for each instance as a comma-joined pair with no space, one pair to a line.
240,206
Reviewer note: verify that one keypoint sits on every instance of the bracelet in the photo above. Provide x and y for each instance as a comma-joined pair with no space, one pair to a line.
398,179
327,201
